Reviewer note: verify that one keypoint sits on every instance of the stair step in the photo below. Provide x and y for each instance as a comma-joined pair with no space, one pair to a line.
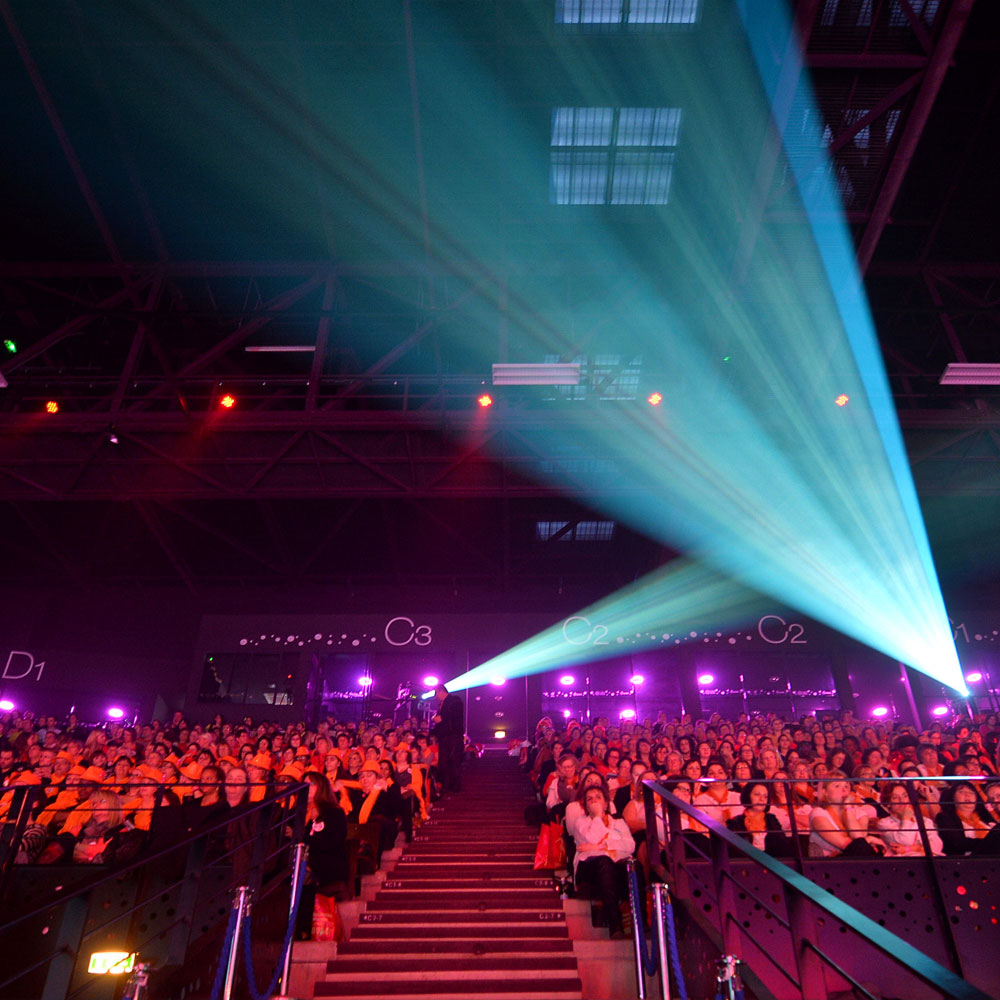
499,902
369,946
479,963
463,918
554,989
421,932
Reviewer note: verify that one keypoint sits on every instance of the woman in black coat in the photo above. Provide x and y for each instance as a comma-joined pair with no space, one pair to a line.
326,840
757,824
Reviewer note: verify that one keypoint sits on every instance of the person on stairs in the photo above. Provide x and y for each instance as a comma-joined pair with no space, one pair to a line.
603,845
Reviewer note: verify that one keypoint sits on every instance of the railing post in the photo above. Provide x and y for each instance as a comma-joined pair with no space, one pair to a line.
812,982
240,903
66,948
661,939
725,898
637,943
298,873
186,902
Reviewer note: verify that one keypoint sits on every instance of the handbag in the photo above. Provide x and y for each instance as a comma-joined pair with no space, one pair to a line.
550,853
326,923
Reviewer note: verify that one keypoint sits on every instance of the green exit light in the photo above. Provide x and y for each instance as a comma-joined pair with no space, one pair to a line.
10,345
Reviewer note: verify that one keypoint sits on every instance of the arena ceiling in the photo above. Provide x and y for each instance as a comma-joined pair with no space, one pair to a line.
183,183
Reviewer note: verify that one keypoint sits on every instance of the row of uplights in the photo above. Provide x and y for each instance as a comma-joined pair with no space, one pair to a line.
114,712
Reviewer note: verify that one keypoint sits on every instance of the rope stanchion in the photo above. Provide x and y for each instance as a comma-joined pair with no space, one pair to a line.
675,958
227,946
647,955
282,967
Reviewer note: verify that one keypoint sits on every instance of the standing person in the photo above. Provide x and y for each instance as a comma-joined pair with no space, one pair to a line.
449,729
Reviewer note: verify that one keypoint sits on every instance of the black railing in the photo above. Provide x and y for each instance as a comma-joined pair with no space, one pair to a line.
799,907
159,905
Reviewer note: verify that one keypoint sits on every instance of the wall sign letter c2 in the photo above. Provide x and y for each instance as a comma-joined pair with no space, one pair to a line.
595,633
790,633
419,635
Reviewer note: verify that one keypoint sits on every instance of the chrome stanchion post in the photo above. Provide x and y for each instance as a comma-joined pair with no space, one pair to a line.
637,946
661,938
298,873
241,903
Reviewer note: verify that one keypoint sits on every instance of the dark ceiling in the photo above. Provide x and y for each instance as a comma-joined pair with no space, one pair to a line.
184,181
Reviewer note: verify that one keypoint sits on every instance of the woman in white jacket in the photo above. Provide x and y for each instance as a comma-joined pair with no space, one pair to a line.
603,845
899,829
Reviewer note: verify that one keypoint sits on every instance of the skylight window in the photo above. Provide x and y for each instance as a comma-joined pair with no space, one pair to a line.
626,11
581,531
613,156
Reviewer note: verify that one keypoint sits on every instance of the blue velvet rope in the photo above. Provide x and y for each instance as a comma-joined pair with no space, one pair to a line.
648,950
248,958
675,958
220,972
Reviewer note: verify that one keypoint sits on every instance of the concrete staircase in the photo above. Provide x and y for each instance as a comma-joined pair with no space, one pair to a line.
461,913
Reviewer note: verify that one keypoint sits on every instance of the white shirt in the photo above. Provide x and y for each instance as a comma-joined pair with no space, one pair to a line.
615,839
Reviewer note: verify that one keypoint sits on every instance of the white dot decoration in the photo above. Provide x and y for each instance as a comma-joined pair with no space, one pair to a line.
355,642
318,636
243,642
694,635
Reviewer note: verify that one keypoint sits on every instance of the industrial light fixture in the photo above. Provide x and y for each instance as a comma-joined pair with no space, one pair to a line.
543,374
280,348
971,374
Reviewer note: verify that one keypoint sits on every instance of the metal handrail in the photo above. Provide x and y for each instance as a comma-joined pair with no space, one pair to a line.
289,815
799,889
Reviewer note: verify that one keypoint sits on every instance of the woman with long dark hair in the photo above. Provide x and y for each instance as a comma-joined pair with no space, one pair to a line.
326,839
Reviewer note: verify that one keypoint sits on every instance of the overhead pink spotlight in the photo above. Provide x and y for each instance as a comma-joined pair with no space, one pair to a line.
939,710
567,680
705,679
565,713
627,713
6,705
498,682
974,677
880,711
636,679
116,713
431,681
365,681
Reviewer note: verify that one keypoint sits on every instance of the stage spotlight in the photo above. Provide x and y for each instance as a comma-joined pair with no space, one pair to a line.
227,402
116,713
498,682
6,705
974,677
499,734
705,679
566,712
636,680
842,400
939,710
485,400
654,399
365,681
627,713
567,680
431,681
880,711
51,406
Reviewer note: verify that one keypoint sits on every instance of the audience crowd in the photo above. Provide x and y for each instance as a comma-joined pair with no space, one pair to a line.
102,794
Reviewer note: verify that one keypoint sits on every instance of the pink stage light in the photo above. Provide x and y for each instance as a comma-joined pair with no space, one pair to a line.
636,679
880,711
627,713
974,677
705,679
565,713
116,713
567,680
939,710
6,705
431,681
498,682
365,681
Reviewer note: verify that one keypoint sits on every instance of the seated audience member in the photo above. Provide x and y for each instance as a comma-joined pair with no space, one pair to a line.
835,828
757,824
575,809
964,825
326,837
103,839
603,844
716,800
562,787
368,801
898,829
